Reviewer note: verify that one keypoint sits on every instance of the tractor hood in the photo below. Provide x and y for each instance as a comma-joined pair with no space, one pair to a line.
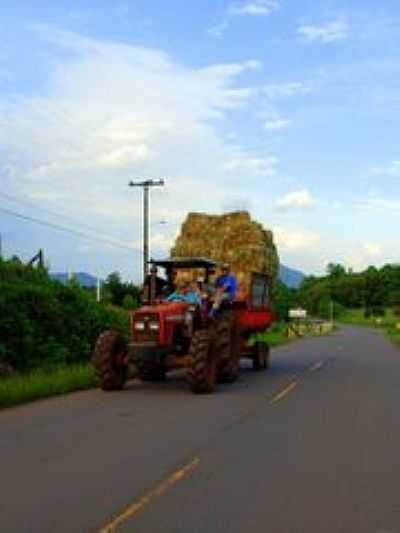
163,309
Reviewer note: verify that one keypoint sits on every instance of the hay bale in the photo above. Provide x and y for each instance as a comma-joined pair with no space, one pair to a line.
234,238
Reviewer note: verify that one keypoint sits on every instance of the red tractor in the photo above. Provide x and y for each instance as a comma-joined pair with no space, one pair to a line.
167,336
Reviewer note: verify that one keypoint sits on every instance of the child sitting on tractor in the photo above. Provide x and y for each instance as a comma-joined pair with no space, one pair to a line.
184,293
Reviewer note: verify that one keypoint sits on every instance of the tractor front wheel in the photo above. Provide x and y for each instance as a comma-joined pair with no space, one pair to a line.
110,360
202,374
261,356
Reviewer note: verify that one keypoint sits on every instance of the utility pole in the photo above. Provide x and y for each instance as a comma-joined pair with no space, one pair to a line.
146,184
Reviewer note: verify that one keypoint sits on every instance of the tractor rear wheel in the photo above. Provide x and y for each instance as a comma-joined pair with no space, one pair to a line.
202,374
261,356
226,348
109,358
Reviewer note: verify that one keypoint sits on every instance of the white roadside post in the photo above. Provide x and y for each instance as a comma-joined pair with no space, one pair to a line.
98,290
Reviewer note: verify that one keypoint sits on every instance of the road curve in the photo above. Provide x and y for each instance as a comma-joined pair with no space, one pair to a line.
311,446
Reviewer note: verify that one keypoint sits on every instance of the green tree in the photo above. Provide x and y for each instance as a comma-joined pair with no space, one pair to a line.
395,302
129,302
335,270
283,299
119,289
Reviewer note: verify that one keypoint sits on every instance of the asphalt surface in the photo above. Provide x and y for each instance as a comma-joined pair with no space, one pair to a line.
312,446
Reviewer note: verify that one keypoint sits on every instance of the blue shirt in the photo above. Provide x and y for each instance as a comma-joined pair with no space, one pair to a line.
228,283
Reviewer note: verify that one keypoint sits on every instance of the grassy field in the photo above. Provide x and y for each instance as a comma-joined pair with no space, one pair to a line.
43,384
388,323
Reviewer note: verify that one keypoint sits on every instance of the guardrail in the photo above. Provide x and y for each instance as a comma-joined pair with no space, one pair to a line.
304,328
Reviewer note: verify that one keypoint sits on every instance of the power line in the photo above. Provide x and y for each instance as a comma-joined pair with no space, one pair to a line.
28,203
66,230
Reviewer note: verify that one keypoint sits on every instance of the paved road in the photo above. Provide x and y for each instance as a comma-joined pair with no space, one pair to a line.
312,446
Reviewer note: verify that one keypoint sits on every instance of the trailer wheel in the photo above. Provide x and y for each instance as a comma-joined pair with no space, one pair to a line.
109,358
261,356
202,374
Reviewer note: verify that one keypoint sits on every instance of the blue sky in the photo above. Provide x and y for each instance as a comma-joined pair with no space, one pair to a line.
287,108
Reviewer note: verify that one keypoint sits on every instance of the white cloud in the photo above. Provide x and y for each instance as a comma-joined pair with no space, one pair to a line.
254,7
103,121
245,164
276,124
372,249
380,205
296,240
392,170
219,29
285,90
334,31
368,254
296,200
126,156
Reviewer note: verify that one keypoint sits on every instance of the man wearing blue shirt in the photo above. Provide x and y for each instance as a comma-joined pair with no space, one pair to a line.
225,288
227,282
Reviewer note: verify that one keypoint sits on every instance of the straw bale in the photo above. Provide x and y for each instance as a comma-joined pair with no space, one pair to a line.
233,238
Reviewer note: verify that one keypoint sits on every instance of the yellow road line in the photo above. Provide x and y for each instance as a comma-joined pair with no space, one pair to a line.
316,366
284,392
158,491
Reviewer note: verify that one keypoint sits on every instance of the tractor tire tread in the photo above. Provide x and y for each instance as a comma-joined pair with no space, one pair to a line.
107,345
197,373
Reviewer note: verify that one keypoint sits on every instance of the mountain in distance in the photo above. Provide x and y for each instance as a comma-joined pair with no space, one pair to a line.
85,280
290,277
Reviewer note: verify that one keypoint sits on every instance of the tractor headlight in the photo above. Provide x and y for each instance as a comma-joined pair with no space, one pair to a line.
154,326
139,326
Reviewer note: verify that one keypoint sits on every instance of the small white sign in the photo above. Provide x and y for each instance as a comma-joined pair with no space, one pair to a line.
297,313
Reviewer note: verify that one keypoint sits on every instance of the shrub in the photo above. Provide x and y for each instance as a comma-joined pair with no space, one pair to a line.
129,302
44,323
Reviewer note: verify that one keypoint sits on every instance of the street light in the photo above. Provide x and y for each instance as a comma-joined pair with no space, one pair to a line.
146,184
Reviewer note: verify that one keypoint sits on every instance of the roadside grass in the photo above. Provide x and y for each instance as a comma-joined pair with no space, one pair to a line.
20,389
388,323
356,317
23,388
394,335
275,336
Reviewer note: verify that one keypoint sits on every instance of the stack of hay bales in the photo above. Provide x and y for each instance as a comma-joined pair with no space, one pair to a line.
233,238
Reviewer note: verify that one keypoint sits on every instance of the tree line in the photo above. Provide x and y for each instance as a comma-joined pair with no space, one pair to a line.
374,290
